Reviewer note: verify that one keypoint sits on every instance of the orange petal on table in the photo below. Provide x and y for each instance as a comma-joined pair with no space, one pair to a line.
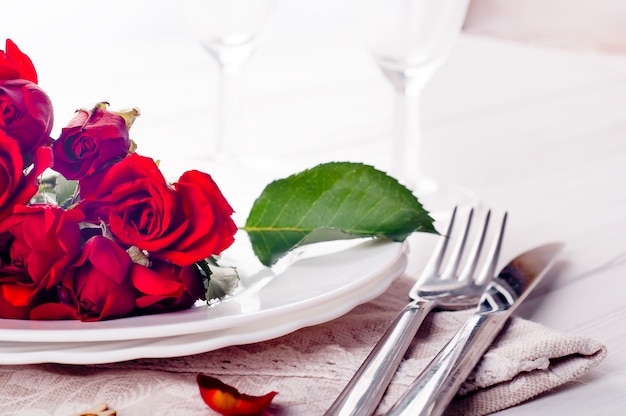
228,401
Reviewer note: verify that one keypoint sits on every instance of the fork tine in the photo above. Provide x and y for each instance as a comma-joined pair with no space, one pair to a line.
472,260
436,259
489,268
455,258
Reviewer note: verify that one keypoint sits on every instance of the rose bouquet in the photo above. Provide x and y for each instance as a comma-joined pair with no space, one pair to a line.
123,241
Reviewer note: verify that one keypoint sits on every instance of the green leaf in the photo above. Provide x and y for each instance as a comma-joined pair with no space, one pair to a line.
332,201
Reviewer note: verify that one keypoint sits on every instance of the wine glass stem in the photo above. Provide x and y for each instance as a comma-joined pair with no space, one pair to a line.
230,127
405,163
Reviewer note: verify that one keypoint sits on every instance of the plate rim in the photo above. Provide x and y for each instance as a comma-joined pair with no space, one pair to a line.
94,331
85,354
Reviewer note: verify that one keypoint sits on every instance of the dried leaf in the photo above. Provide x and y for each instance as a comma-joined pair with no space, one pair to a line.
101,409
219,281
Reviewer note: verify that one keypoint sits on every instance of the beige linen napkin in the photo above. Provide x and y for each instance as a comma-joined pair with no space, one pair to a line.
311,366
308,368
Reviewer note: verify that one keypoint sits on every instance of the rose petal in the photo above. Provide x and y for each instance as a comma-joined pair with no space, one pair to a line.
54,311
16,64
18,295
228,401
109,259
151,283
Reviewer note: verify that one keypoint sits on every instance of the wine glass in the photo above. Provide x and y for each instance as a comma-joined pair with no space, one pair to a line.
230,31
409,40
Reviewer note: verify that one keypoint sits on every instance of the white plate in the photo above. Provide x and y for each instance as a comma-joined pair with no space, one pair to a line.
114,351
327,281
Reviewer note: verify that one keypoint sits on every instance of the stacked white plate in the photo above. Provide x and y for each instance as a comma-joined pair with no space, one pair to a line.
313,288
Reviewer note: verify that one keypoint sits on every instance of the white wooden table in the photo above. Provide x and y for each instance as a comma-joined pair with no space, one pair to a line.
536,131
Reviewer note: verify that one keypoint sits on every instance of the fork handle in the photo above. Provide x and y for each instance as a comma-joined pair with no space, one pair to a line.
437,384
366,388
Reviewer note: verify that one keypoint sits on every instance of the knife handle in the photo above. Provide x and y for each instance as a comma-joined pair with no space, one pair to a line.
438,383
363,393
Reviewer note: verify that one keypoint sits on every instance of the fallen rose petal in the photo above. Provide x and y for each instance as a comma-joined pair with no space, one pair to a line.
228,401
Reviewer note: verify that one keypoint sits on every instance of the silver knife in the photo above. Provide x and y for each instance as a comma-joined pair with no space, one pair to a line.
436,386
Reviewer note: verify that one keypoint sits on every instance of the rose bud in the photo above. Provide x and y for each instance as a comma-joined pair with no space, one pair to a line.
26,113
92,141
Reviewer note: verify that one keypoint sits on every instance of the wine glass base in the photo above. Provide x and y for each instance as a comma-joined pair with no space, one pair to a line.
440,198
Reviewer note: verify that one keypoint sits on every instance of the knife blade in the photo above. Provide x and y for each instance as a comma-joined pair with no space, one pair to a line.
436,386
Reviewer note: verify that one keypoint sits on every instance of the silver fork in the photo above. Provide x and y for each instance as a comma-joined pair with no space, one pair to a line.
436,288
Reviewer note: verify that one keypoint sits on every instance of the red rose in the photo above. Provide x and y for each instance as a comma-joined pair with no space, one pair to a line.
166,287
15,187
99,288
25,109
14,64
91,141
209,214
37,246
182,224
26,115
